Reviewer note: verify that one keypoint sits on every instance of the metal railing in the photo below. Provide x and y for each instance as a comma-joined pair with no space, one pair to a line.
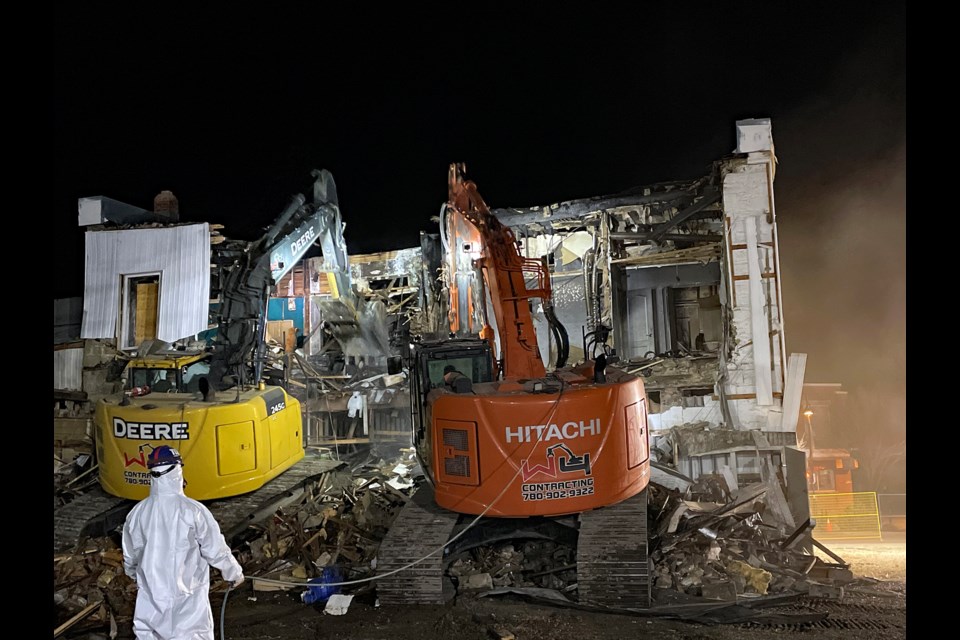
893,511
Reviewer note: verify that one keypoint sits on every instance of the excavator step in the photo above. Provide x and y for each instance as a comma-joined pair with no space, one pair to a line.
421,528
612,565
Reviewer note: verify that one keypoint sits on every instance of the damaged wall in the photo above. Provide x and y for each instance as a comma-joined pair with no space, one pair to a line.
755,370
181,255
391,277
688,275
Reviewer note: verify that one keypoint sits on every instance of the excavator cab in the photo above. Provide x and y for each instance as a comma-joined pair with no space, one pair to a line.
168,374
471,357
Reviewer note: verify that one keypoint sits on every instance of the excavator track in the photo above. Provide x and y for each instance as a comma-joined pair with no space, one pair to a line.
96,512
612,565
421,528
237,513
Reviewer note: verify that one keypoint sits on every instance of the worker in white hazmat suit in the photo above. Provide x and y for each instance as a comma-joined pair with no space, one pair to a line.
170,542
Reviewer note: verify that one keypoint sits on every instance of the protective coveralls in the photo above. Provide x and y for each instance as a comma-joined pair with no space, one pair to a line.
170,542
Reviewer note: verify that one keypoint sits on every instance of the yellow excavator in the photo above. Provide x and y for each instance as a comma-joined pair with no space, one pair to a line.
236,433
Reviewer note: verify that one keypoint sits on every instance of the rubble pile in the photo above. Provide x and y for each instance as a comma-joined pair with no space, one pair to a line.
729,546
705,541
72,478
531,563
90,589
335,529
339,525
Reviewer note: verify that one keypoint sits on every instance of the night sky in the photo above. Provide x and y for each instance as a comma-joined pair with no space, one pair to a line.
230,109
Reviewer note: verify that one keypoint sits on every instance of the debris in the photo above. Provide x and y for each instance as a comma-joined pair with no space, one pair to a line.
500,633
720,591
83,613
825,591
260,585
338,604
755,578
477,581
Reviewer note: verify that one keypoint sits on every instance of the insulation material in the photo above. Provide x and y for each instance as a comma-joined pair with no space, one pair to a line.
182,257
572,245
748,415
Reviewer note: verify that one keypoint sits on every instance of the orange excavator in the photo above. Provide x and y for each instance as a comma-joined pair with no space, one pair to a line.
510,443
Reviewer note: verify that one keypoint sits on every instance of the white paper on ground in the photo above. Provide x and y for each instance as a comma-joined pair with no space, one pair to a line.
338,604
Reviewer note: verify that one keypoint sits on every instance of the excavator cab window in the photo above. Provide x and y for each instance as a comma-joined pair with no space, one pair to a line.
475,366
159,380
192,373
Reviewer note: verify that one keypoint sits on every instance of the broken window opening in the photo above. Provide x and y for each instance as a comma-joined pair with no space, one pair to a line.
694,397
671,310
653,401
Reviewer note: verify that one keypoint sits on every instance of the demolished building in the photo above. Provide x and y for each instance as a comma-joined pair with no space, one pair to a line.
680,281
677,282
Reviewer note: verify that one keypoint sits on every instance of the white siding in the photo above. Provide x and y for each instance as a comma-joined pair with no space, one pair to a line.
181,254
68,369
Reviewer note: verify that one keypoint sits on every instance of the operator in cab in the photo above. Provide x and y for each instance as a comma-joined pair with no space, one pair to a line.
456,381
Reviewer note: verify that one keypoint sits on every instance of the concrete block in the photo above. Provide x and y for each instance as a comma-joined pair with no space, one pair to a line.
825,591
840,575
476,581
720,591
73,429
96,353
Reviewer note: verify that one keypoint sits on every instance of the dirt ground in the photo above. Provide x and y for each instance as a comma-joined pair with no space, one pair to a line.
862,614
885,559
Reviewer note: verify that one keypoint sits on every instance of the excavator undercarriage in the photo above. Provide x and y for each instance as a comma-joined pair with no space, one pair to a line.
611,550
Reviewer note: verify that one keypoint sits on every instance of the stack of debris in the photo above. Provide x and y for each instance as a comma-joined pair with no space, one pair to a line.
530,563
71,478
340,525
706,541
723,550
90,589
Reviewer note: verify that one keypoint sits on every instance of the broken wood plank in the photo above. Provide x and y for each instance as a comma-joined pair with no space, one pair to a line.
401,496
820,546
792,538
80,615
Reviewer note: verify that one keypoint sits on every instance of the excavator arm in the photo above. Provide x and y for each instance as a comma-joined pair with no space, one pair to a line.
506,274
247,279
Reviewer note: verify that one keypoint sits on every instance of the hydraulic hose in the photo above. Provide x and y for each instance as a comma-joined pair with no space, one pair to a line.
223,609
